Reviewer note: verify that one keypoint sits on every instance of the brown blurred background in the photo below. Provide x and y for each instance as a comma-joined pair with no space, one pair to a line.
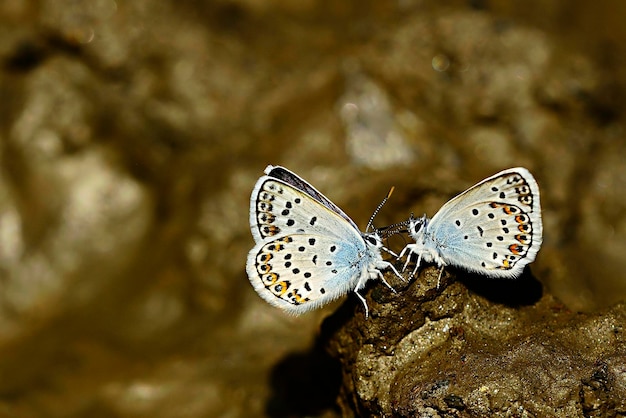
133,132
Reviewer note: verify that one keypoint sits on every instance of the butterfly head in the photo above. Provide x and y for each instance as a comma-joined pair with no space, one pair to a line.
373,239
417,226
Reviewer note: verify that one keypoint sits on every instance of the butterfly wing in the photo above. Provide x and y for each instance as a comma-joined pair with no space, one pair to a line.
281,173
308,251
494,227
300,272
283,203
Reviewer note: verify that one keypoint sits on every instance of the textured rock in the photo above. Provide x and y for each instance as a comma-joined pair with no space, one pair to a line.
454,352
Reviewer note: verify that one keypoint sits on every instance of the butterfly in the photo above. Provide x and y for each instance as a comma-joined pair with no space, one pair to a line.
308,252
493,228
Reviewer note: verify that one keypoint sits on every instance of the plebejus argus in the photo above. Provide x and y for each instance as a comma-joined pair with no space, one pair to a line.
308,252
493,228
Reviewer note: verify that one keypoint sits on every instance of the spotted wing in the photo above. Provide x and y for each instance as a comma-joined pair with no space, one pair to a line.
283,203
300,272
494,227
289,177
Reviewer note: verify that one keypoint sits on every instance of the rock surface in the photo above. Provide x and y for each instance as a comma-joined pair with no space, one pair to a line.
454,352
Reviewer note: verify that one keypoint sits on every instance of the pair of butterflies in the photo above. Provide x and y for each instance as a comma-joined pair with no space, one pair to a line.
308,252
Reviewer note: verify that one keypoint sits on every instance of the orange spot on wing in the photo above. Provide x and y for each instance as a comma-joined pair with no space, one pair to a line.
269,279
507,209
516,249
267,218
264,268
275,247
271,230
298,298
265,257
283,288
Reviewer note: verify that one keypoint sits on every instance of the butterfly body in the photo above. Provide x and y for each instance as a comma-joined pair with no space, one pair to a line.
308,252
493,228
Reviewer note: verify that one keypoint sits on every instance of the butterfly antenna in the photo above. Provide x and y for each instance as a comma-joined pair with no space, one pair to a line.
399,227
380,206
387,231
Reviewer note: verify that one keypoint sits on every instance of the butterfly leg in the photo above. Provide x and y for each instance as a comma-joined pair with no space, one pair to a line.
411,251
364,303
389,251
388,265
382,278
439,278
417,265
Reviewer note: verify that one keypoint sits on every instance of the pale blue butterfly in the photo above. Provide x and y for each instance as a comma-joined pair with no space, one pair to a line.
493,228
308,252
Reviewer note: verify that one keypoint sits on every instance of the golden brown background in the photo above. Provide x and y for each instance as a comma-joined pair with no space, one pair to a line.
133,132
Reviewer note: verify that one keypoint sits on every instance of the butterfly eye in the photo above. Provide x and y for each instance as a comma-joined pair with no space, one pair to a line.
371,239
417,226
